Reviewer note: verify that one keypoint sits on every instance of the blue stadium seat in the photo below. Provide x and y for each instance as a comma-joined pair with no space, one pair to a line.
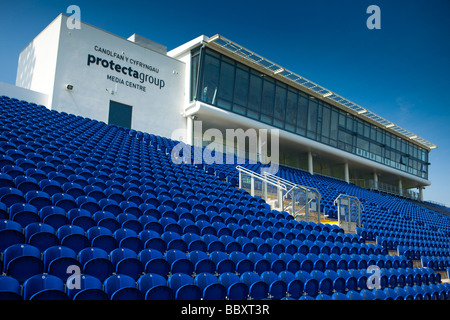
21,261
57,260
9,288
258,289
126,262
44,287
10,233
73,237
86,287
184,287
122,287
210,286
95,262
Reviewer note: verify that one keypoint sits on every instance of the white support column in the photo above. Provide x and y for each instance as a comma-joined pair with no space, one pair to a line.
375,180
421,194
252,186
310,163
190,130
346,173
400,187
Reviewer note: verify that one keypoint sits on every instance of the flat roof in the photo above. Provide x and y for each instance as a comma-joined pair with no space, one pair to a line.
297,80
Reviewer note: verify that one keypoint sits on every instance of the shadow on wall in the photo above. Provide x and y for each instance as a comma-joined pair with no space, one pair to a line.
25,69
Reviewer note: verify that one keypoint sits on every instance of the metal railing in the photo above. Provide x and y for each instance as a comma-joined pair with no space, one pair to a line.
301,202
349,210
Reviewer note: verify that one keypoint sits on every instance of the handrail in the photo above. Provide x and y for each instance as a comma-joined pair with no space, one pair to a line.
291,184
361,206
257,175
309,199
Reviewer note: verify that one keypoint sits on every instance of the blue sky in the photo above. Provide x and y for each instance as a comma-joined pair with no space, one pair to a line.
400,72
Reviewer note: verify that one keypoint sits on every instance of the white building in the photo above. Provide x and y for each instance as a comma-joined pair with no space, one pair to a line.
89,72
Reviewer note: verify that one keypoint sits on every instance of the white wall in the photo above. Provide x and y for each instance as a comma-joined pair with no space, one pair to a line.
37,62
11,91
156,110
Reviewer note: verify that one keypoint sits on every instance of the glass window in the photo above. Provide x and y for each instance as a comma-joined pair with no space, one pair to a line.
325,123
291,111
375,149
423,155
225,94
349,124
280,106
403,160
312,119
334,127
254,97
362,144
342,118
194,75
373,134
388,140
241,87
360,128
380,136
302,114
267,101
210,79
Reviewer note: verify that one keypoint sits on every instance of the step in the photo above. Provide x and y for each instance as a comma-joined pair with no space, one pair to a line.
444,276
393,252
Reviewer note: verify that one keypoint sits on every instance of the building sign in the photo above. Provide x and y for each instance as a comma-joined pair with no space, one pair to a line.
125,72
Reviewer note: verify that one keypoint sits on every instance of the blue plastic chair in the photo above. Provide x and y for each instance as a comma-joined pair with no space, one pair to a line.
210,286
9,288
10,196
102,237
311,285
57,259
126,262
277,287
73,237
257,288
44,287
95,262
24,214
149,281
86,287
184,287
21,261
10,233
122,287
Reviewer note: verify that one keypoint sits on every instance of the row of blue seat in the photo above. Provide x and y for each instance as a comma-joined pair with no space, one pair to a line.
207,286
24,260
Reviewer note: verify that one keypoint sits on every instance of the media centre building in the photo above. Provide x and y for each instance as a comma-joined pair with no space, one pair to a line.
137,84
